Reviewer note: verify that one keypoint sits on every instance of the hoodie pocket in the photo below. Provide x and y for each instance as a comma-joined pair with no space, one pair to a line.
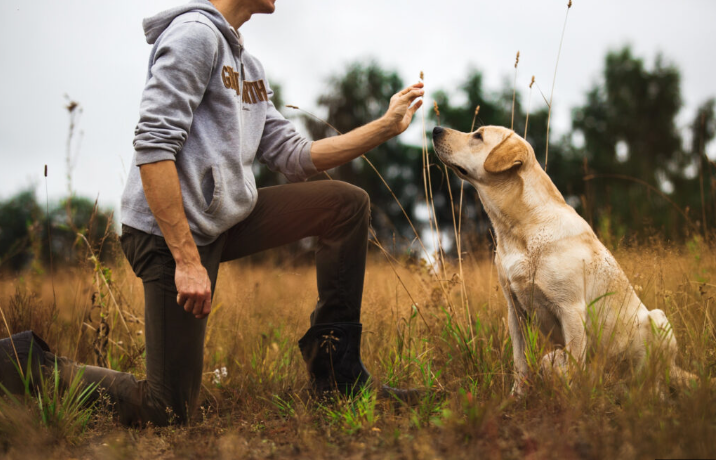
211,187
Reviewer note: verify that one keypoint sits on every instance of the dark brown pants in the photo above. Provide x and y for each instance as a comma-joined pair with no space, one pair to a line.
336,212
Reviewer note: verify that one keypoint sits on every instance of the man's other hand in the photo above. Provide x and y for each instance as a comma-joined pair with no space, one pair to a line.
194,288
400,112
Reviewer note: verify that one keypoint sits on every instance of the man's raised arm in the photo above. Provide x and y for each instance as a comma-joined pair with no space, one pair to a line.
335,151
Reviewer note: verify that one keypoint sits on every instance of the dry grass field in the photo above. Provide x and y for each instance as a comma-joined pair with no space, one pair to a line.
255,404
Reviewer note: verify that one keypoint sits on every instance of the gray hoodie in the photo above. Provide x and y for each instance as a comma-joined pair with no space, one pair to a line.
206,105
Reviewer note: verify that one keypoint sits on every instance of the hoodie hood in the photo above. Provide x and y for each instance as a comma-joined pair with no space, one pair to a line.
154,26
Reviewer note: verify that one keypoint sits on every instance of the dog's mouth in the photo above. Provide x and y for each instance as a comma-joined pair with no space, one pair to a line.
457,168
460,170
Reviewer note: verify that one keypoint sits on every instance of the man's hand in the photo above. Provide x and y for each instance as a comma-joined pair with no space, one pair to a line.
400,112
194,289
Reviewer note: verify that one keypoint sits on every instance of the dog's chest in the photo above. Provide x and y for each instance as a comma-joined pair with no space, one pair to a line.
526,270
520,262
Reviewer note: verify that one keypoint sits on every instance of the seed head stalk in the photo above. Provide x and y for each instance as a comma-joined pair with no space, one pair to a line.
529,106
429,201
554,79
385,183
474,117
49,239
514,91
456,227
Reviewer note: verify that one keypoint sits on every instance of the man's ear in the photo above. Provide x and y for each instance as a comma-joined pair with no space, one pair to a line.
506,155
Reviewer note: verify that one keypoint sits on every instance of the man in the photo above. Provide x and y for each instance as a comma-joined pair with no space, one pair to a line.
191,202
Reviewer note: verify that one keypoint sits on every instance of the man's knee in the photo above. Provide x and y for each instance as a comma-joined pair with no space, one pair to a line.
352,200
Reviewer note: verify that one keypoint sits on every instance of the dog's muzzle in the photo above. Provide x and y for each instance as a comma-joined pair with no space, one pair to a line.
438,133
444,152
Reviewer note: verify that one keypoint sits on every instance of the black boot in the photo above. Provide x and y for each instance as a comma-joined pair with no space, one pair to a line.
332,356
18,351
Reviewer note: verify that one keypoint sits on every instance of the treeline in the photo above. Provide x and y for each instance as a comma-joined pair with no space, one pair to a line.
625,164
35,235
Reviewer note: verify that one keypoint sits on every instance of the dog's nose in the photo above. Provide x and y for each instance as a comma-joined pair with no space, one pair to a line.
437,131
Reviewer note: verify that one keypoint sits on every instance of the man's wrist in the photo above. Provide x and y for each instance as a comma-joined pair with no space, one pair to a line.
387,128
186,255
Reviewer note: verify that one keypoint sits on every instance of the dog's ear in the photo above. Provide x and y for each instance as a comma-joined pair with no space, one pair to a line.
506,155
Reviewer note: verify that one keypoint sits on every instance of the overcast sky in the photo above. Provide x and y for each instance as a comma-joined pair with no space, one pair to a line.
95,52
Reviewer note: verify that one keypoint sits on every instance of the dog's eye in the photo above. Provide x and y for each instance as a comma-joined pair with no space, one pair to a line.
477,136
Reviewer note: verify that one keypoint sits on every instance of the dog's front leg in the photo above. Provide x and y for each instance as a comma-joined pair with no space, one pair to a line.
575,333
518,348
572,320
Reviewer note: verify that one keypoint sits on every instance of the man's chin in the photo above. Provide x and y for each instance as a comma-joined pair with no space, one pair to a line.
270,7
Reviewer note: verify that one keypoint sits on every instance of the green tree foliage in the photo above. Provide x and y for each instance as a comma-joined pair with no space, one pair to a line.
25,237
695,187
358,96
625,167
71,217
629,129
19,216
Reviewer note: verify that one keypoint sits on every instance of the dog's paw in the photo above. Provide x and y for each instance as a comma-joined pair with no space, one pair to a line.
519,388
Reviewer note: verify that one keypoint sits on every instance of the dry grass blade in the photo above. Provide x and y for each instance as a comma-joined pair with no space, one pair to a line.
514,91
702,159
376,241
385,183
49,236
529,107
474,117
456,227
101,276
430,202
554,79
12,342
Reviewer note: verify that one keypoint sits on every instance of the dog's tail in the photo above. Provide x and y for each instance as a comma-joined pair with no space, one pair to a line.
664,333
684,378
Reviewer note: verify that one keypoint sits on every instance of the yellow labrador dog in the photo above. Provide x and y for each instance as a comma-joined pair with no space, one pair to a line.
550,263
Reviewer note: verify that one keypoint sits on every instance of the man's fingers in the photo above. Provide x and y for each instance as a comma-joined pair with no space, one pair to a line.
414,108
413,94
181,299
198,305
207,305
189,305
411,87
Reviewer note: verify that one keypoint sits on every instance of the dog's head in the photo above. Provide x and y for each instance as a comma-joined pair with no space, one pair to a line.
489,154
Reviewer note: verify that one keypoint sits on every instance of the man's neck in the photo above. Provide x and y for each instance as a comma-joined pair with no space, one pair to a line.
235,13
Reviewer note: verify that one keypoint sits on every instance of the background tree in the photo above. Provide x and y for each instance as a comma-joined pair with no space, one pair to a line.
19,216
360,95
629,130
695,185
625,166
25,237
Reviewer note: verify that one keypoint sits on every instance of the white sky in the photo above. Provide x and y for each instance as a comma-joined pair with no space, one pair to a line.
95,52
